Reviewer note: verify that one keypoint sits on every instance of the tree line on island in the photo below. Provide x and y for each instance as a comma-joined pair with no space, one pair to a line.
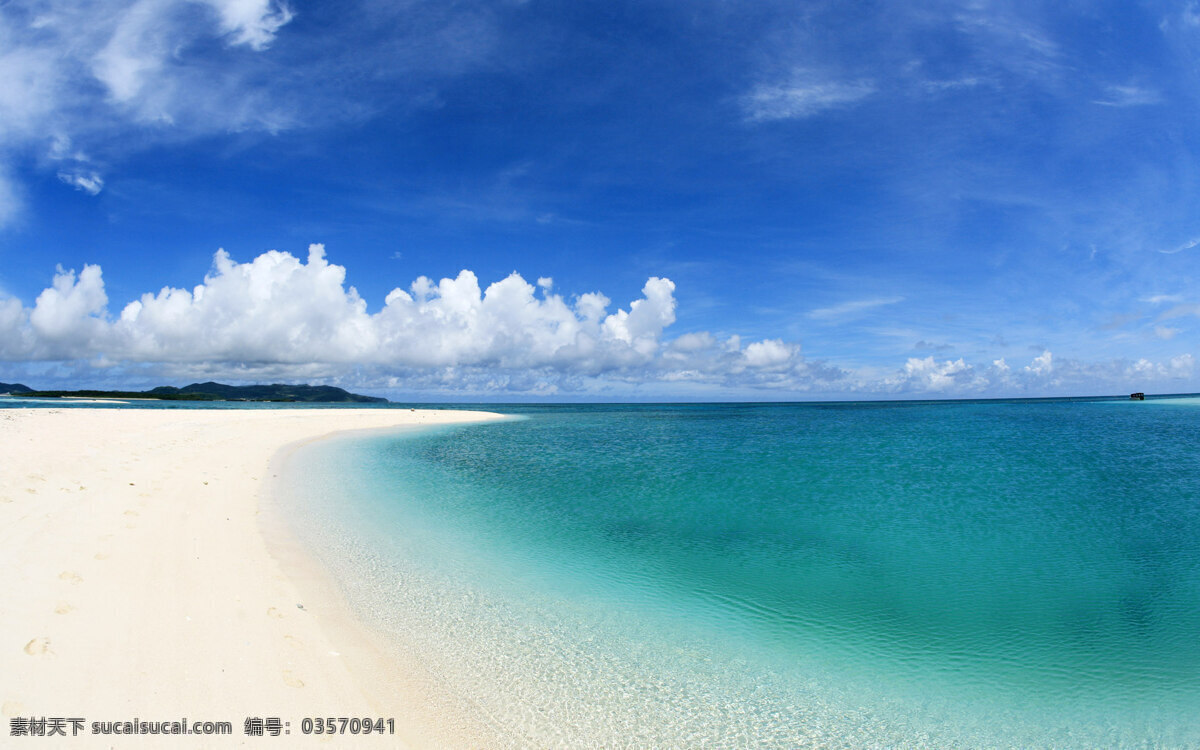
325,394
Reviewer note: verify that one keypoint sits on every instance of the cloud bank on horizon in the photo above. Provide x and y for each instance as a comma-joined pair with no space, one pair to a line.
279,317
968,198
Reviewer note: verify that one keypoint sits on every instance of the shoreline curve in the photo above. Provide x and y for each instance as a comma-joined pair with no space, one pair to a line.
146,580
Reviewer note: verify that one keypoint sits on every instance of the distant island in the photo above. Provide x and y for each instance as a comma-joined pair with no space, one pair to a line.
323,394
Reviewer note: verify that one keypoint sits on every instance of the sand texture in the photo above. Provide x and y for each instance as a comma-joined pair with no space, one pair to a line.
139,580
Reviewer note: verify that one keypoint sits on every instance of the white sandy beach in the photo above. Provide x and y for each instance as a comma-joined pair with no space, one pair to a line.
141,582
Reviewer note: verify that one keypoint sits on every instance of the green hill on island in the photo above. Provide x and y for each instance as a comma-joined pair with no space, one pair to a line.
324,394
275,392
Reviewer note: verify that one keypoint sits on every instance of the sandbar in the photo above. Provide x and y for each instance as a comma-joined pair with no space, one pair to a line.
141,582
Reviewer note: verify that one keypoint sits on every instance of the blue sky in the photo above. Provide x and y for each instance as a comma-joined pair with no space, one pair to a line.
721,200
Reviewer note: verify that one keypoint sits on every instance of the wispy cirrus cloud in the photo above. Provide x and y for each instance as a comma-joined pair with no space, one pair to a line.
1160,299
88,181
952,85
1006,40
1180,311
852,308
804,94
10,198
1190,244
84,71
111,77
1128,96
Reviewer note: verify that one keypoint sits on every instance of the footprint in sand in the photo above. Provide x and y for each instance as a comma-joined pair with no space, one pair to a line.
70,577
293,641
5,499
132,512
272,612
63,608
39,647
101,555
292,680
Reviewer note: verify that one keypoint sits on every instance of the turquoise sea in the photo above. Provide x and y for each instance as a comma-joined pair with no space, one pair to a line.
934,574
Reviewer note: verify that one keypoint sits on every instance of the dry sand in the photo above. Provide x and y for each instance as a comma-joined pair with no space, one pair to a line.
140,581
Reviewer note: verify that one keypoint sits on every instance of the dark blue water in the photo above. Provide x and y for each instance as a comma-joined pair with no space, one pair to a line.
860,575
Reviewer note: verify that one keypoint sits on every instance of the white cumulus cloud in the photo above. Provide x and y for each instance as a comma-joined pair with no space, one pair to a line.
767,354
1042,364
927,374
68,312
281,310
281,317
251,22
1182,366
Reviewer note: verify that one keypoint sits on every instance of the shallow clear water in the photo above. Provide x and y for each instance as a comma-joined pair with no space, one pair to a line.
988,574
